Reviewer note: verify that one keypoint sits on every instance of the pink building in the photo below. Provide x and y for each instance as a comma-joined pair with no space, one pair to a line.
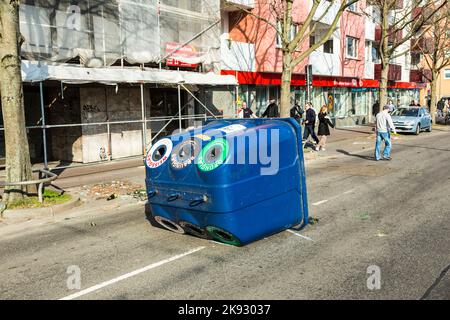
343,68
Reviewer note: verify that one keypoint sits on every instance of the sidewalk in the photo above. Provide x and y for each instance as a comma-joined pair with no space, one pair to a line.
352,139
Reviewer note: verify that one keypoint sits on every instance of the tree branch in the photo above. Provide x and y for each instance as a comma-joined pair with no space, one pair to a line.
344,5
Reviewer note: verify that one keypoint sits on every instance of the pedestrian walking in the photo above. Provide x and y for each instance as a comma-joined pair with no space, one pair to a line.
376,108
383,126
245,112
391,106
324,128
446,106
271,110
310,123
297,112
440,107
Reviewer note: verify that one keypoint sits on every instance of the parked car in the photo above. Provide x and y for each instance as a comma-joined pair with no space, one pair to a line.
412,119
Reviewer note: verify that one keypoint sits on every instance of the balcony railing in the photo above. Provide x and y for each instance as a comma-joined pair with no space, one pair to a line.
394,74
422,75
423,45
393,37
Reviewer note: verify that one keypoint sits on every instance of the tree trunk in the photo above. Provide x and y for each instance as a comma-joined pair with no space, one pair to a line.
383,85
433,104
286,76
18,165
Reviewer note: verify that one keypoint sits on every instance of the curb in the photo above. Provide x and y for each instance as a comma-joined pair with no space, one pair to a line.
28,214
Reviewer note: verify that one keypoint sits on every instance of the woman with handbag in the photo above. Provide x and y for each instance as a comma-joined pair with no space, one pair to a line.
324,128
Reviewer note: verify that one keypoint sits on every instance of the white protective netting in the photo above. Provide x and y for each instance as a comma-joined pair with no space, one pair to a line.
100,32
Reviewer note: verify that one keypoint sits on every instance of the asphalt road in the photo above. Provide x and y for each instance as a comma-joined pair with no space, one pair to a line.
391,215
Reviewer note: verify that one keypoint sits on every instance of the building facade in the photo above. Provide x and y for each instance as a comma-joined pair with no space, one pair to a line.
346,69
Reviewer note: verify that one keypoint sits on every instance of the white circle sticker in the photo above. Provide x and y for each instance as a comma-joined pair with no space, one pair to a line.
159,153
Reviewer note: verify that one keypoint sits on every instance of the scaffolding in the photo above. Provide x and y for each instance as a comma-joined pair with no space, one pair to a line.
101,32
104,36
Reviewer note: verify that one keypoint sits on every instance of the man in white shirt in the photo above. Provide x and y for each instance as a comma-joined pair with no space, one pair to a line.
383,125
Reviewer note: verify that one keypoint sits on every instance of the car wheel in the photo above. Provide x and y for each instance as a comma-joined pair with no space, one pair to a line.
417,129
430,128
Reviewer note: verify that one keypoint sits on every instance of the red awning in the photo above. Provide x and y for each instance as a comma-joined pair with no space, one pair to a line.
274,79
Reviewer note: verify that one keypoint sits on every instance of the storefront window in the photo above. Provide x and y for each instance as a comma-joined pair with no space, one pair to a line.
299,96
342,102
359,104
242,95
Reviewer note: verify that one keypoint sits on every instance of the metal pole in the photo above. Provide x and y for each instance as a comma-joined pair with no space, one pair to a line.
44,134
201,103
120,35
158,4
179,106
144,122
108,133
103,39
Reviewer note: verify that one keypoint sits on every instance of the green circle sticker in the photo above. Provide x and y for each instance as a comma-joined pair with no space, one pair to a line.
213,155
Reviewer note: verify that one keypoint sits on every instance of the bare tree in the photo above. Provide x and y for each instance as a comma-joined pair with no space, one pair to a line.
399,23
281,19
18,165
435,48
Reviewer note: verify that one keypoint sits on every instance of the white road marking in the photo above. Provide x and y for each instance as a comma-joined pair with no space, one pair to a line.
222,244
326,200
129,275
320,202
299,235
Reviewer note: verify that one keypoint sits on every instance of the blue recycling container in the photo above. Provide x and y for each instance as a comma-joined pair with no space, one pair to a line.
233,180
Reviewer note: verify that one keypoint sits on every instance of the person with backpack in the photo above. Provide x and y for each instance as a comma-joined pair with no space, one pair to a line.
296,112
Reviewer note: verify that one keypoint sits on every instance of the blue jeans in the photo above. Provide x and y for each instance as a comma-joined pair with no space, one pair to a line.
309,130
386,137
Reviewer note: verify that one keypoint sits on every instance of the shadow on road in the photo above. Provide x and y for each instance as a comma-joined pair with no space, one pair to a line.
354,155
354,130
423,147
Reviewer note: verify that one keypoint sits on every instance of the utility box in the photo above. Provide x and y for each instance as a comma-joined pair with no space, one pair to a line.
236,180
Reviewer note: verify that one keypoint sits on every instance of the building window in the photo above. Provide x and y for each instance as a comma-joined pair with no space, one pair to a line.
352,47
292,33
312,41
447,74
368,51
328,46
375,57
415,58
278,34
352,7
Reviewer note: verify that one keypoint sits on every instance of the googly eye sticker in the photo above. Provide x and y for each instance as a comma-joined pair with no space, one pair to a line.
184,154
159,153
213,155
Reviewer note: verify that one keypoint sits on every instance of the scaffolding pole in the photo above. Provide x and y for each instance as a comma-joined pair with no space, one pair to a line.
144,122
179,107
201,103
44,133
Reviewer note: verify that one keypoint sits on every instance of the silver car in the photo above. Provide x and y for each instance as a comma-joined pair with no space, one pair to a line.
413,119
